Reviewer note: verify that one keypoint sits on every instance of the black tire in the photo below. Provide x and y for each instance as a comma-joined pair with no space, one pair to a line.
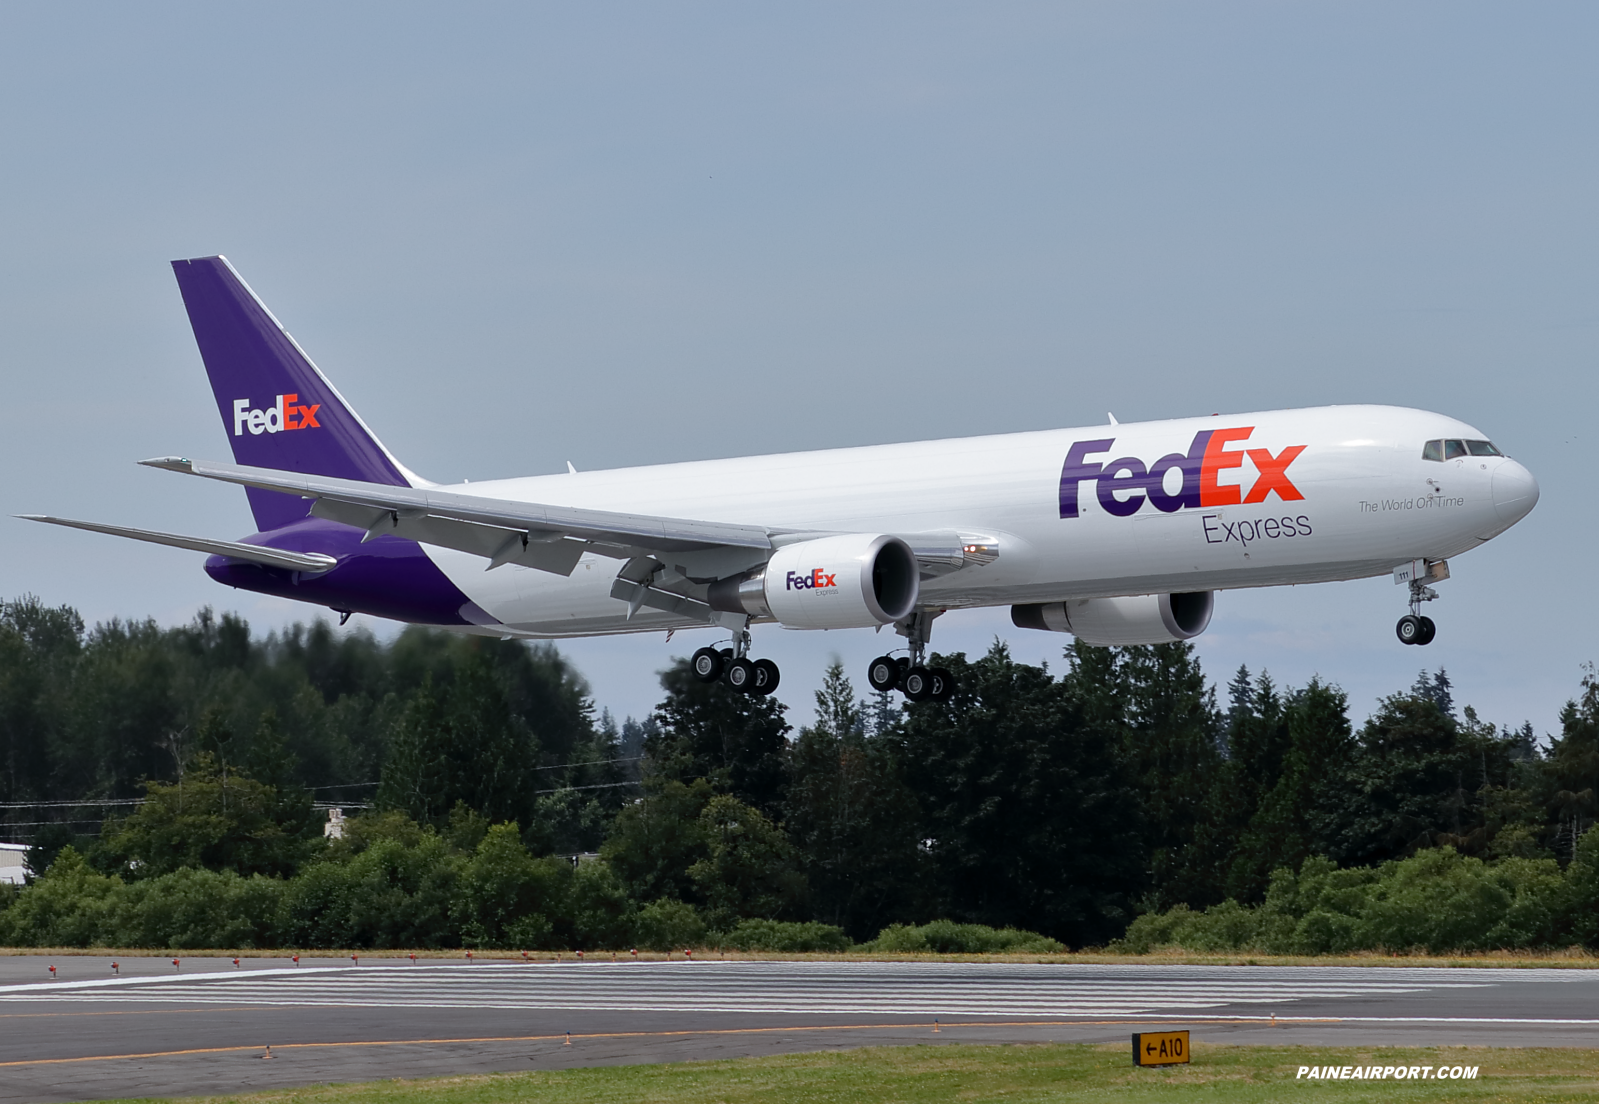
943,684
741,676
707,664
1408,630
767,677
917,684
1428,630
883,674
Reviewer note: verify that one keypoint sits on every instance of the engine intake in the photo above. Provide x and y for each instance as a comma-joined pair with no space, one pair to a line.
857,580
1141,619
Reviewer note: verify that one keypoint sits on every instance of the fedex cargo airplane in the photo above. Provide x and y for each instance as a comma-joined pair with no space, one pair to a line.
1119,534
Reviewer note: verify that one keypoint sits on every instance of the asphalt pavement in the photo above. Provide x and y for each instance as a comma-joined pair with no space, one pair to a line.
202,1026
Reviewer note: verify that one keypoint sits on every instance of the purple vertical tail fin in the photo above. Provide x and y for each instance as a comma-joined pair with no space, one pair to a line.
278,409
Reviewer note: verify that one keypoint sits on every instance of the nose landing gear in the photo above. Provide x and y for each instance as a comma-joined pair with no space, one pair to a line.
1413,628
755,677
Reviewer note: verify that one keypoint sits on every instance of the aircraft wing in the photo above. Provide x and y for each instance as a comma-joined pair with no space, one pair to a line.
254,553
550,538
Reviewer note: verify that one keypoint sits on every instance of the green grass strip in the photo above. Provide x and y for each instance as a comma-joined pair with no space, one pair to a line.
1017,1074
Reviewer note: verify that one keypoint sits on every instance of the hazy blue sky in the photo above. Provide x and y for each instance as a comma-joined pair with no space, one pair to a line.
618,234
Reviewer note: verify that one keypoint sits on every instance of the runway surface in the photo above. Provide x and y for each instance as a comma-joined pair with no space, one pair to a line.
204,1026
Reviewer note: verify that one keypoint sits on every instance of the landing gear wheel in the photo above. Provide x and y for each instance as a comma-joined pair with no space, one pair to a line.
918,684
707,664
883,674
741,675
943,684
1409,629
1428,630
766,678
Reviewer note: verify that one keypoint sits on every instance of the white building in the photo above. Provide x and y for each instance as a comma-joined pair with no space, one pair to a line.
11,866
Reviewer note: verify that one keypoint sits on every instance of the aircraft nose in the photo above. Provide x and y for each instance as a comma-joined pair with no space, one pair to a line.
1515,492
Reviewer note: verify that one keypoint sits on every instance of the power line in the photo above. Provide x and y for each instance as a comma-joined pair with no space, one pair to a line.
592,763
42,823
68,804
601,786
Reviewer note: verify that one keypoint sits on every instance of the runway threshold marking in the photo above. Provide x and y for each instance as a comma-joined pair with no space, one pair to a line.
640,1035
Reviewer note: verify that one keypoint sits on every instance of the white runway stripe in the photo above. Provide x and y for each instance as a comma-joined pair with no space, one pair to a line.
921,989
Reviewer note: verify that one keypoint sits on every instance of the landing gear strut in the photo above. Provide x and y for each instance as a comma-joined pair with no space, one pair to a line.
755,677
1413,628
909,675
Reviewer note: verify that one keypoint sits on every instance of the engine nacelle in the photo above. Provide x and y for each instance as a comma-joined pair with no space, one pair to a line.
1143,619
858,580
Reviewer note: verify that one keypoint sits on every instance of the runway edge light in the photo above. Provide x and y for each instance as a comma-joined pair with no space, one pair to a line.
1160,1048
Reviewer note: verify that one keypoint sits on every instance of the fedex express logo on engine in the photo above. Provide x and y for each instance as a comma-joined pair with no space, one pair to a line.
1123,485
814,579
285,414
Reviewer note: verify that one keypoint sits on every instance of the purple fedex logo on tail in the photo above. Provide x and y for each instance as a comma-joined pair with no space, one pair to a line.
1122,486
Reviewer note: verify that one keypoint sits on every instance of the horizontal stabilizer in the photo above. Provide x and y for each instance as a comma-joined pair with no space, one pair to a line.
237,550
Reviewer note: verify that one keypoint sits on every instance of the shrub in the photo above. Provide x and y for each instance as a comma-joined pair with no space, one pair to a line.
1437,900
948,937
194,908
392,894
1582,877
505,897
65,907
667,925
785,936
598,913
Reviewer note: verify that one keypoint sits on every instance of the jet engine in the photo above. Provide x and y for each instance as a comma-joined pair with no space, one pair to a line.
1142,619
857,580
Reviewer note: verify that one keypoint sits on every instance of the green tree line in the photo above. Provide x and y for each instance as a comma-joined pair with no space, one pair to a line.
1115,799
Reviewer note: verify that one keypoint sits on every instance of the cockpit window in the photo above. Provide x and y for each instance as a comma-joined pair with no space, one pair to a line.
1483,448
1432,450
1453,449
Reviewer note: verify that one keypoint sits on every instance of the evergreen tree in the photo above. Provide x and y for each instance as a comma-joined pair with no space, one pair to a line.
1301,814
460,743
1572,770
1437,689
1411,784
736,741
850,815
1029,816
1170,742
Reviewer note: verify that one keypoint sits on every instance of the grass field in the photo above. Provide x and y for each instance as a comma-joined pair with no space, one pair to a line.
1014,1074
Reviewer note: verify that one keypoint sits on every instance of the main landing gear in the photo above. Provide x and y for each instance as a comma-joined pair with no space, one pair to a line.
755,677
908,674
1413,628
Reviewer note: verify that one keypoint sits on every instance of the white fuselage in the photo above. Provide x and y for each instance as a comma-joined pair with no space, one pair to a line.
1370,502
